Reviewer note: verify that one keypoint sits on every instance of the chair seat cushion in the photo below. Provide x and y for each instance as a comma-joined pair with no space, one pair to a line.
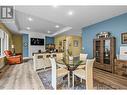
80,73
62,72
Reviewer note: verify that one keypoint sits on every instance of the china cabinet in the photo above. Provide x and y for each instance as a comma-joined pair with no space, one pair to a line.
104,52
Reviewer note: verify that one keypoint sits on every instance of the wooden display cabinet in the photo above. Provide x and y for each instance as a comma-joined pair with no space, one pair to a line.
104,52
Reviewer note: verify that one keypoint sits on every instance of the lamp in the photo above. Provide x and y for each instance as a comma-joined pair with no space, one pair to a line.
13,47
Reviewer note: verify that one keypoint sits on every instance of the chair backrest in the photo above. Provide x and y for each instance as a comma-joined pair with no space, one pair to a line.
53,63
8,53
89,73
83,57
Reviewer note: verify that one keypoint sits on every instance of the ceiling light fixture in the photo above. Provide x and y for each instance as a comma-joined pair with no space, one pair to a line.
30,19
55,6
49,31
70,13
57,26
28,28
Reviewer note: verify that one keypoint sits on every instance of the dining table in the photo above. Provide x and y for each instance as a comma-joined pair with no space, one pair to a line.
70,67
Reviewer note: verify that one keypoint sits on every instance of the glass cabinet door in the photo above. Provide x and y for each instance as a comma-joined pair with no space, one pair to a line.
106,52
97,54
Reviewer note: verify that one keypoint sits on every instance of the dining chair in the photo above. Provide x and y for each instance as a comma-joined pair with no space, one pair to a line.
86,74
57,73
83,57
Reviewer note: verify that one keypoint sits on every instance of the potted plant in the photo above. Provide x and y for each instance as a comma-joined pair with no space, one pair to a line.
70,57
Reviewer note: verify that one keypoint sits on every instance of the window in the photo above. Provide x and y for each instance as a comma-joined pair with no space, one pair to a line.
3,42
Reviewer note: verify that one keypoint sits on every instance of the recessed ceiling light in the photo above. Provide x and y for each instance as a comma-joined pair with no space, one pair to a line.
70,13
55,6
57,26
28,28
49,31
30,19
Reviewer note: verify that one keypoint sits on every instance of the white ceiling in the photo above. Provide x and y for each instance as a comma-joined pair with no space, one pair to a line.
45,18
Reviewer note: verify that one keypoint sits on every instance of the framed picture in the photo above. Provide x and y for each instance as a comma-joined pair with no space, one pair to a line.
124,38
75,43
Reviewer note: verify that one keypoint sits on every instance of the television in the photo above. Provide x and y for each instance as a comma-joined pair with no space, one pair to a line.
37,41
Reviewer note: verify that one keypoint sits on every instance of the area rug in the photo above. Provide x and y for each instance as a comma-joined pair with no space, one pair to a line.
45,77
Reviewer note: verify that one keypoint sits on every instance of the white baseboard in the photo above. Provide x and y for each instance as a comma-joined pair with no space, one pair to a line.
27,58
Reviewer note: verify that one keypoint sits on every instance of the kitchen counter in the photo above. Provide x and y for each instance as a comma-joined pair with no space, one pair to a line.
45,52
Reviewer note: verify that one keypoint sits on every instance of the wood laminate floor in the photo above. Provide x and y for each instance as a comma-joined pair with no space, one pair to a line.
20,76
113,80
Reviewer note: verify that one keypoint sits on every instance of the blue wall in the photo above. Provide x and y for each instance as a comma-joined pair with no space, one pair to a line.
115,26
49,40
25,45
